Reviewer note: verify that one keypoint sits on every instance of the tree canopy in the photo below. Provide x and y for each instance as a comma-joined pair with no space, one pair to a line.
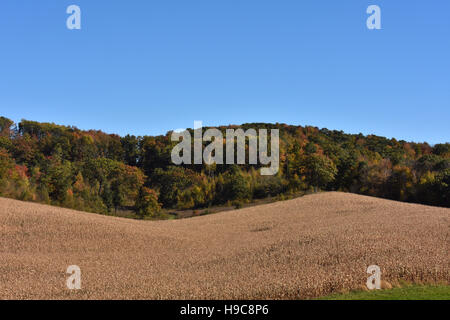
99,172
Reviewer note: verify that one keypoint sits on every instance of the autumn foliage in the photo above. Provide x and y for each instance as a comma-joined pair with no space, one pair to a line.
99,172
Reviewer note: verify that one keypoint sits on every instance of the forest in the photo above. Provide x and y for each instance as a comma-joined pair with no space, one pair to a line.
98,172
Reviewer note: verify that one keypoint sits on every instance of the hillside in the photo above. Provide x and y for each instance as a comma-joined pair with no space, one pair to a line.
307,247
104,173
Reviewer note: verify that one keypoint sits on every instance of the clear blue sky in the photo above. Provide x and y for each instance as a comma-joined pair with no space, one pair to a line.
146,67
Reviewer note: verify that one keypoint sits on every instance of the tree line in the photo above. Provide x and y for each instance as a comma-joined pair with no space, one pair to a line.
98,172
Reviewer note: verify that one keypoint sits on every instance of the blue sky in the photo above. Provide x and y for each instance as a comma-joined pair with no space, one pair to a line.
146,67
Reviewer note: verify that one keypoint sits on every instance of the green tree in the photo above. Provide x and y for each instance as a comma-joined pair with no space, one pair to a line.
442,187
319,170
442,149
5,127
147,203
130,145
233,186
172,182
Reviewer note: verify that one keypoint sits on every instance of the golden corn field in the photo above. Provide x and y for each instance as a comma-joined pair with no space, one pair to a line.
301,248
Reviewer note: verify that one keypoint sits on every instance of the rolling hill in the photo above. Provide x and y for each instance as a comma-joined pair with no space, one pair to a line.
302,248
